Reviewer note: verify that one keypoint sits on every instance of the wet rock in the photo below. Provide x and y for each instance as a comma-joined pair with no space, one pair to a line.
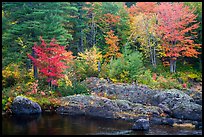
187,110
131,101
124,105
180,105
165,108
196,95
22,105
170,97
168,121
162,121
131,92
198,125
156,121
88,105
141,124
93,105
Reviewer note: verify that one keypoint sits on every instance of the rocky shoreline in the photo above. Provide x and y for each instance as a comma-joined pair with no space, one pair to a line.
129,102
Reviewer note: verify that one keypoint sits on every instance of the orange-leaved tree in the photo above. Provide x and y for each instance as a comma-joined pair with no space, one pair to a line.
176,23
113,49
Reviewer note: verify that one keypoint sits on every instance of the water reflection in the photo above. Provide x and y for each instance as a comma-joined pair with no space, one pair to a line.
53,124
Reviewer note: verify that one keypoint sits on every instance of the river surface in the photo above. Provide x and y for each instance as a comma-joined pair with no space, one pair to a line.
53,124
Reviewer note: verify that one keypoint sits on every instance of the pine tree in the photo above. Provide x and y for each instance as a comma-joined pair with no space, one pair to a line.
29,20
78,25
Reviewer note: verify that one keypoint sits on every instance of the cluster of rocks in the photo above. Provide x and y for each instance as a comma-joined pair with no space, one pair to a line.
94,105
175,103
131,102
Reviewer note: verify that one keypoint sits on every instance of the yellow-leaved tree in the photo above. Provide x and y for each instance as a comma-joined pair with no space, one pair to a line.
88,63
142,25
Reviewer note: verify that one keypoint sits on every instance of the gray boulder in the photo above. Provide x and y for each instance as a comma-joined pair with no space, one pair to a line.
162,121
196,95
131,92
22,105
178,104
88,105
187,110
141,124
170,97
93,105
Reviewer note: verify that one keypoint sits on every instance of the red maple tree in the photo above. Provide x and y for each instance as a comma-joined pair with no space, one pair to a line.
51,60
142,7
176,23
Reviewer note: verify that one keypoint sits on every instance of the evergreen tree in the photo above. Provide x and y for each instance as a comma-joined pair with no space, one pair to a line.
30,20
78,26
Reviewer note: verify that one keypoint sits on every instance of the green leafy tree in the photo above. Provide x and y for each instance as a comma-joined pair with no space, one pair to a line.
127,68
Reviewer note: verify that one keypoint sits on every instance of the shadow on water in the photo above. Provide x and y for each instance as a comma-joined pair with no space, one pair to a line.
53,124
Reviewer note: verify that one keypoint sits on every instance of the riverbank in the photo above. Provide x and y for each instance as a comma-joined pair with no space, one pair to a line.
128,102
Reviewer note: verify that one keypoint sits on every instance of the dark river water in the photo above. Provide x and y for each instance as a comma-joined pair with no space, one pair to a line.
53,124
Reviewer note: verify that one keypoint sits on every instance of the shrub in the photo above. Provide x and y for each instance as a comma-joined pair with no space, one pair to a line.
127,68
145,78
104,70
86,64
75,88
11,75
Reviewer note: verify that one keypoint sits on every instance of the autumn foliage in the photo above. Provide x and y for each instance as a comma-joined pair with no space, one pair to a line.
175,24
142,7
51,60
111,19
113,49
91,58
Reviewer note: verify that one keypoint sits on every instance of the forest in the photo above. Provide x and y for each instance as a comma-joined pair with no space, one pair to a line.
50,48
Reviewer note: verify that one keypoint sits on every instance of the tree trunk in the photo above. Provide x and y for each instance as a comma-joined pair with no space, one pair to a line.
200,63
154,57
150,49
34,67
93,31
28,64
81,44
81,41
99,66
172,66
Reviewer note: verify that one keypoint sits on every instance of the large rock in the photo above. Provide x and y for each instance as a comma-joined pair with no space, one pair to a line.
178,104
196,95
141,124
134,111
94,105
162,121
130,101
88,105
22,105
170,97
187,110
131,92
